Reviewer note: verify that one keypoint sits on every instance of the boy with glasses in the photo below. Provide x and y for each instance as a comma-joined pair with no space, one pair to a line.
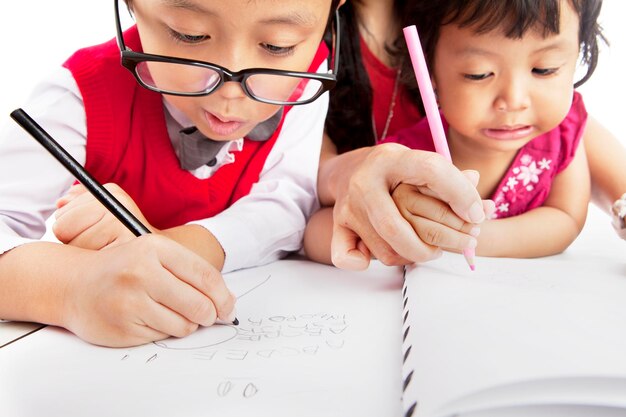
209,131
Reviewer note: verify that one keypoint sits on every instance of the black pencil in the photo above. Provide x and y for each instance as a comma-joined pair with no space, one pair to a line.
80,173
102,194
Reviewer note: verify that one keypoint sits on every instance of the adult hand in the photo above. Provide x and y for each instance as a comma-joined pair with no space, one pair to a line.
365,214
82,221
143,290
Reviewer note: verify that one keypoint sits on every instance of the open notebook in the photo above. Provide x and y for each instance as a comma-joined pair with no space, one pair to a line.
541,337
313,341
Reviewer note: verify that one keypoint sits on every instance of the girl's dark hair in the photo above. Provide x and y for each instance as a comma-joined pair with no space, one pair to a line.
515,17
349,119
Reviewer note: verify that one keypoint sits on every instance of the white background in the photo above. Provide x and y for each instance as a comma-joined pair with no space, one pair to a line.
36,36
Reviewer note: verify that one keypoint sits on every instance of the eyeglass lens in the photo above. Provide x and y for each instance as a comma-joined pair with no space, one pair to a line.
185,78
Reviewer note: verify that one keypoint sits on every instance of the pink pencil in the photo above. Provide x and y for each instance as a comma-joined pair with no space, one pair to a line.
430,106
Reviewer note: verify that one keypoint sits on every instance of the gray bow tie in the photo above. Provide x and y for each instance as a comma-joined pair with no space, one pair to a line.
196,149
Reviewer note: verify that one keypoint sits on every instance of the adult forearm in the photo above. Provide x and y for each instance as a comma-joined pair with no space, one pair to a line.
335,172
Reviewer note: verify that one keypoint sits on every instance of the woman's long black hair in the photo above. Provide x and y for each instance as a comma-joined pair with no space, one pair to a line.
349,119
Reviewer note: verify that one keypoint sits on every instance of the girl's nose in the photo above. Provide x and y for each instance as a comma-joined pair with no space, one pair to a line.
513,96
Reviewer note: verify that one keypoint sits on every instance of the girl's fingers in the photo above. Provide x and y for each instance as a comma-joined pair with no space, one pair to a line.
433,220
443,179
420,205
439,235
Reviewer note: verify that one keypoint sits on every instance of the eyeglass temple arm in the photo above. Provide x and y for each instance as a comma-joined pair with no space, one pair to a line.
337,43
118,26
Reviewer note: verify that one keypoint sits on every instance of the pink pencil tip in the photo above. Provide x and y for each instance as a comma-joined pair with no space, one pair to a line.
469,257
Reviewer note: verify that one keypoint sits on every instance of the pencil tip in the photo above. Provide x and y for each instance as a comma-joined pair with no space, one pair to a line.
469,257
236,322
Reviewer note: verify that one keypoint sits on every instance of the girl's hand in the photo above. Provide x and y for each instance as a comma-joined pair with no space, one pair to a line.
434,222
365,215
143,290
83,221
618,214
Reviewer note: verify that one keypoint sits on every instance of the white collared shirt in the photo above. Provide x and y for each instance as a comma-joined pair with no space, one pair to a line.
259,228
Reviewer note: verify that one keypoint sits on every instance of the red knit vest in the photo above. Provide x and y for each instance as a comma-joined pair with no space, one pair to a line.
128,143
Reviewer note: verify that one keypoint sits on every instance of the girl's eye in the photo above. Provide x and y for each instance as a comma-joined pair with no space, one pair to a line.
278,50
478,77
181,37
544,71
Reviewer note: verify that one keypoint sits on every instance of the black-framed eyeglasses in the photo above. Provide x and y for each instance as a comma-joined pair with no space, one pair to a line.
190,78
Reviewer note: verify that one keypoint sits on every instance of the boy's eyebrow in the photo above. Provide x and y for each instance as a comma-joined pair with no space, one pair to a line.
186,4
291,18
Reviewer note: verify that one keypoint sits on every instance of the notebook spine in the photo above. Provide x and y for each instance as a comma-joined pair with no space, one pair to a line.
407,374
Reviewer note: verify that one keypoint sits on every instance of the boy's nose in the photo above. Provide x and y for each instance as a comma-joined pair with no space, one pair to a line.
231,90
235,60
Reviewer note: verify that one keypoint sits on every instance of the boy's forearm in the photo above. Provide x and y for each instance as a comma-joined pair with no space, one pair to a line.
34,279
199,240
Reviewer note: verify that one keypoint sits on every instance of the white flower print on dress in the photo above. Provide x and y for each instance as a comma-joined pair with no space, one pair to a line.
526,159
545,164
529,173
521,184
511,182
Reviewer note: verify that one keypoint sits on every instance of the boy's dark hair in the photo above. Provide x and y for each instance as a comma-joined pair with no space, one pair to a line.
349,119
515,18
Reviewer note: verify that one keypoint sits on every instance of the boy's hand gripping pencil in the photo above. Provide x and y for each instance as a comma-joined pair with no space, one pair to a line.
430,106
95,188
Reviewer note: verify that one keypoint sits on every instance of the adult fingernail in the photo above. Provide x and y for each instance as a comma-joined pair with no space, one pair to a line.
473,176
476,213
475,231
489,208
